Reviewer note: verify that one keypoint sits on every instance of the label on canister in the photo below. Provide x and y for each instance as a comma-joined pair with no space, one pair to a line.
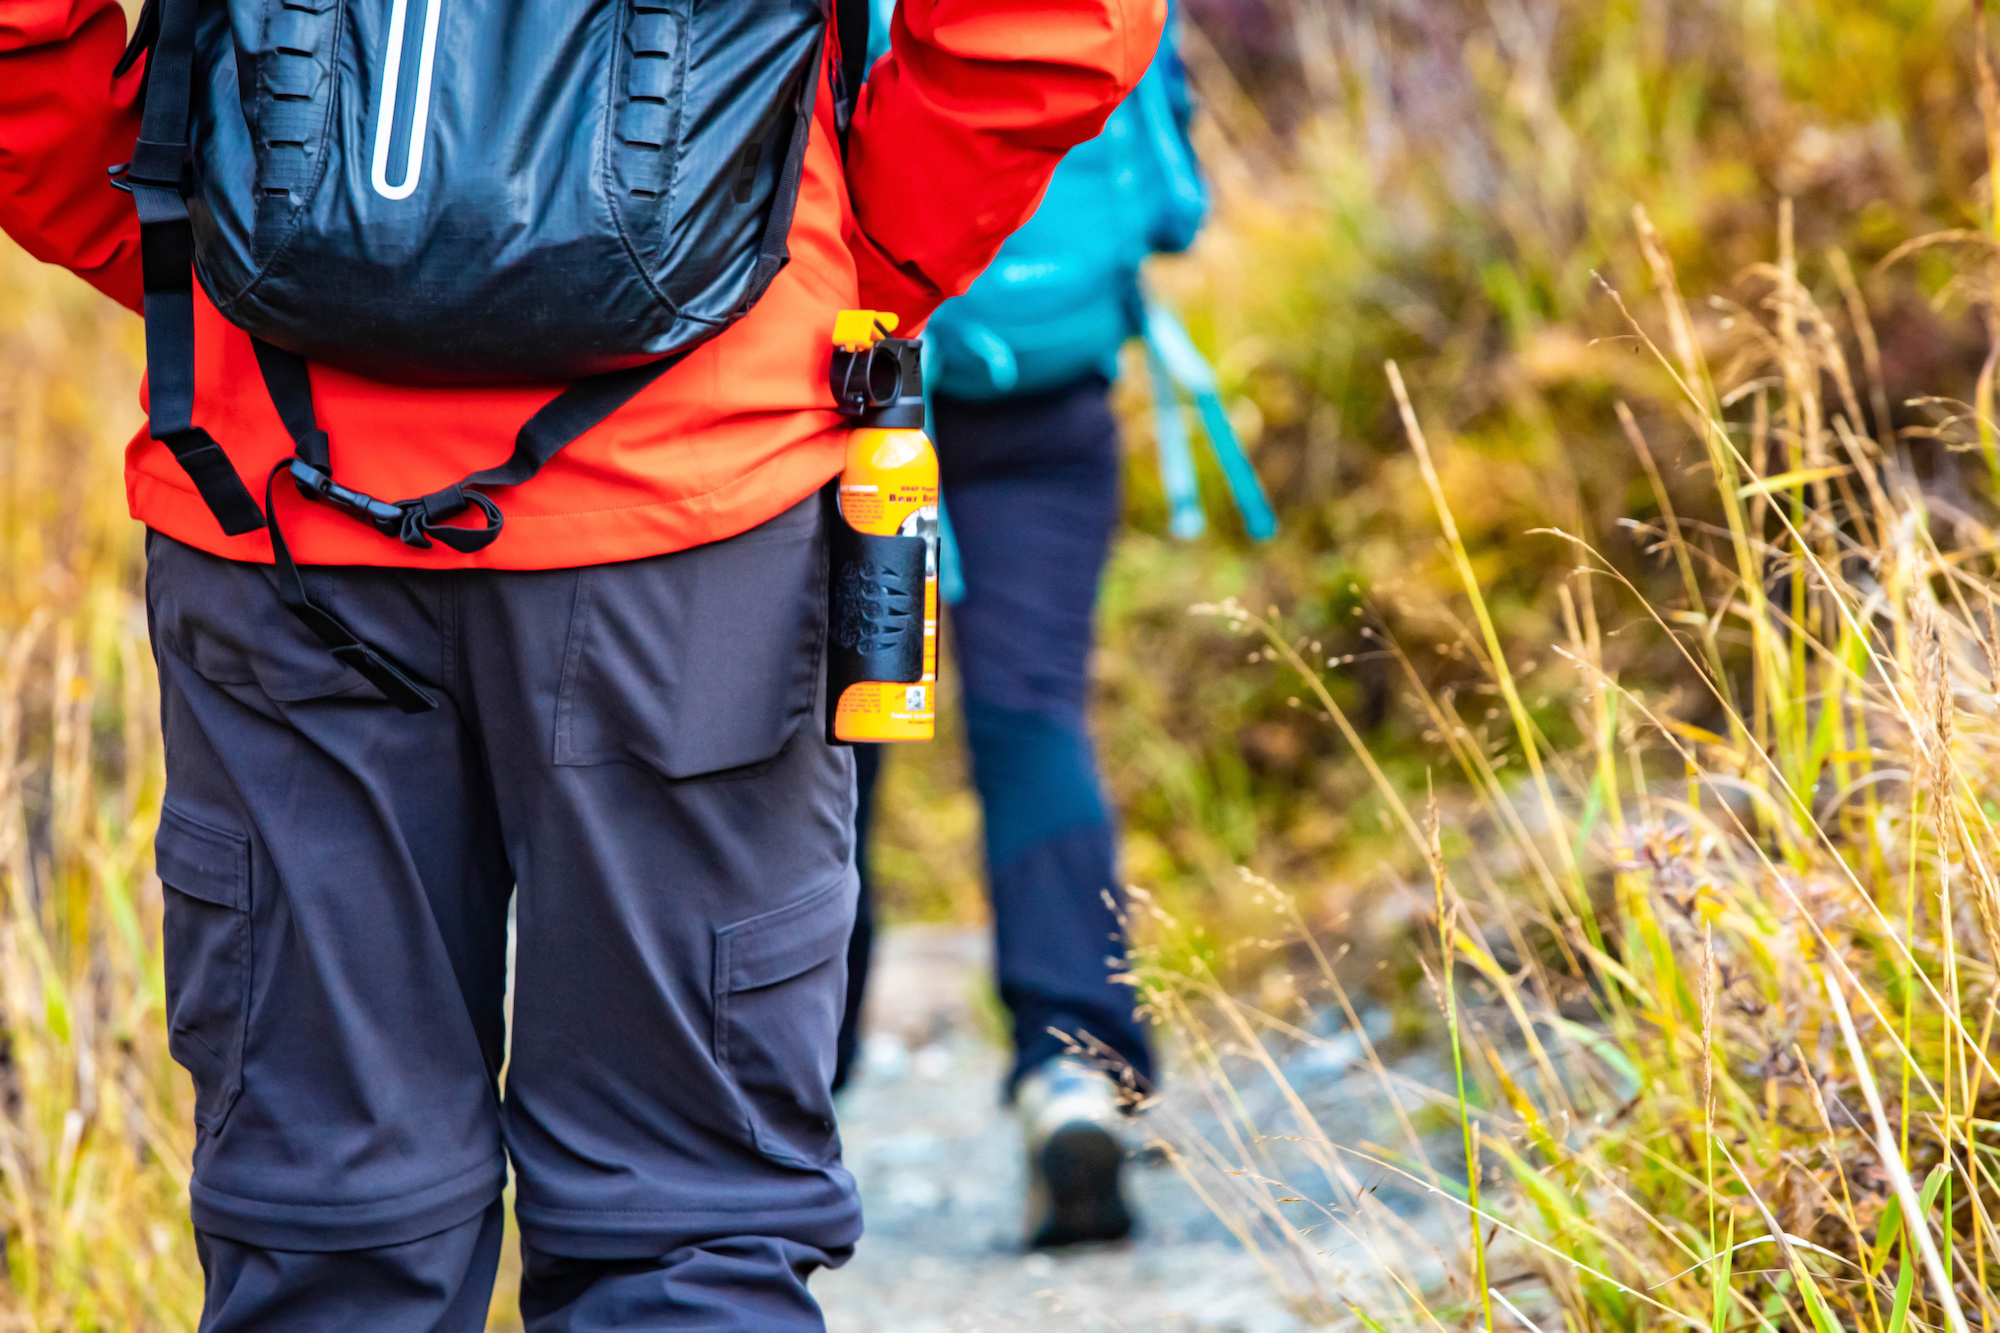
890,487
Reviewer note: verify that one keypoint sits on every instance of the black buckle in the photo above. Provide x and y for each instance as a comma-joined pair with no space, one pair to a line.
162,166
427,515
315,484
410,522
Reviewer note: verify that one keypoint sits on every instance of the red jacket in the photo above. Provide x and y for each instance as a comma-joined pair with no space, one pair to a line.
954,140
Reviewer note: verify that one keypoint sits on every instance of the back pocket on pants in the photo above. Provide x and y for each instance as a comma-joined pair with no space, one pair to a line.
699,662
206,873
780,987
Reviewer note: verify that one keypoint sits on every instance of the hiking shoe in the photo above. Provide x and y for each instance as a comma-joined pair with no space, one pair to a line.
1070,1116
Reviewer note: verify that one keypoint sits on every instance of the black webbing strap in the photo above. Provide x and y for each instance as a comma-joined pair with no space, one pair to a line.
563,418
424,520
851,20
373,665
166,244
773,250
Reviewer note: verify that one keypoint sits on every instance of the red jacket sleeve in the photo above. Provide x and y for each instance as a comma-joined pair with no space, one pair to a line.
961,125
63,120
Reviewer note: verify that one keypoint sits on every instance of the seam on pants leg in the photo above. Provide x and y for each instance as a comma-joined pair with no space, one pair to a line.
349,1226
635,1234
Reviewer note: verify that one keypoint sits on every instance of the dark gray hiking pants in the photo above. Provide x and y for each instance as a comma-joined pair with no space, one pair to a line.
633,754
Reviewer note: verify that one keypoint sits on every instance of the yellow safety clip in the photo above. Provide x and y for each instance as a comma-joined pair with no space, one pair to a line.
858,330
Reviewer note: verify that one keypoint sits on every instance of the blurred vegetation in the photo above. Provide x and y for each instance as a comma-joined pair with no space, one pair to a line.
1458,187
95,1128
1452,185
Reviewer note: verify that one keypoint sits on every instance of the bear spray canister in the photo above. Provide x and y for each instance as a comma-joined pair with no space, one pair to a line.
883,603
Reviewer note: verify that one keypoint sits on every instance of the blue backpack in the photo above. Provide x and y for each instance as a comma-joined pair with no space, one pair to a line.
1062,296
1065,292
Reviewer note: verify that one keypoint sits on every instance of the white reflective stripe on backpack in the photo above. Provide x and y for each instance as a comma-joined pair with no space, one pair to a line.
385,110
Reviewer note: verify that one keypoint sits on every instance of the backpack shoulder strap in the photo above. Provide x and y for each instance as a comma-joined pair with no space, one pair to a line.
166,245
851,31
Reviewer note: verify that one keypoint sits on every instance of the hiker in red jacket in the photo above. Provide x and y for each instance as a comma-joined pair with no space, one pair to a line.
565,275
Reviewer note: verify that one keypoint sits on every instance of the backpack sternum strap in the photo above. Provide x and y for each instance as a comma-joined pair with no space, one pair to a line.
420,522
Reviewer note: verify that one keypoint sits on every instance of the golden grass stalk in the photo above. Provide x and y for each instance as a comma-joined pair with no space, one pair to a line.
1892,1162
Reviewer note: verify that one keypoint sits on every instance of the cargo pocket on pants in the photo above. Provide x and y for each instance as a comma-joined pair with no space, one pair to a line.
206,874
780,984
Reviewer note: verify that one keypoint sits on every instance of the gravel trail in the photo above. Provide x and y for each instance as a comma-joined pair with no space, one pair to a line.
940,1167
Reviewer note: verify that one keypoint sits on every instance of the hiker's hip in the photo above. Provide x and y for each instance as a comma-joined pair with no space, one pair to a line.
731,437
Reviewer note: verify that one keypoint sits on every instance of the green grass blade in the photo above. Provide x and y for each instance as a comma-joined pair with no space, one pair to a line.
1718,1321
1822,1317
1906,1287
1368,1321
1939,1174
1906,1281
1886,1232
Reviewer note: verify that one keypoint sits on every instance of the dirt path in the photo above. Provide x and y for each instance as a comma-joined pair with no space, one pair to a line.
940,1167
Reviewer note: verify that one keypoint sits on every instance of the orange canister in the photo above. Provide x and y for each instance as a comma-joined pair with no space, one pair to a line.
889,488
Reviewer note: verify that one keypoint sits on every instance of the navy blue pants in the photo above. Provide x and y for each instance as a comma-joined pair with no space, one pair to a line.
629,754
1031,485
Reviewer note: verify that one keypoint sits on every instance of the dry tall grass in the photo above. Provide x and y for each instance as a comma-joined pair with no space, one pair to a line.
1721,1003
1704,856
95,1134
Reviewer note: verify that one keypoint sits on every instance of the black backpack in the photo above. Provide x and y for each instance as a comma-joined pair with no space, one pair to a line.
459,191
